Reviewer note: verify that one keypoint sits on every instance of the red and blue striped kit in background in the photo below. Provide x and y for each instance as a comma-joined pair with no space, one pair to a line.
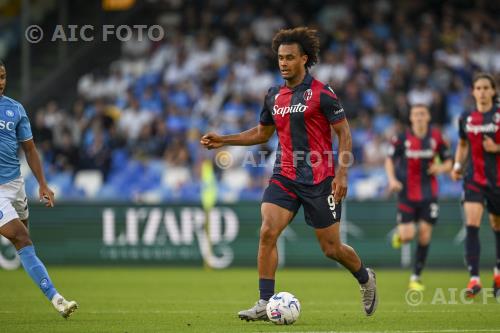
412,158
484,167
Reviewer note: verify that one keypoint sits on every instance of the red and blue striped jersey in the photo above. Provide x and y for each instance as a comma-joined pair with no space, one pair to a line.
483,167
412,158
302,116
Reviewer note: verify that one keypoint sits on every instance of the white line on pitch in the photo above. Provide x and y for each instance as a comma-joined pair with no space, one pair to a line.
418,331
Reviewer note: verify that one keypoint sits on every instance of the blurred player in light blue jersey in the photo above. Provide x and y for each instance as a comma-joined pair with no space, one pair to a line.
14,130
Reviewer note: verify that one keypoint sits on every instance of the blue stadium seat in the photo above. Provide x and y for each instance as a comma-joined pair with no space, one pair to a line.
191,192
382,122
119,158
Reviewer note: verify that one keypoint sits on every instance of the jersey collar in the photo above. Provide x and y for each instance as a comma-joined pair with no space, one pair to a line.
410,130
493,108
305,83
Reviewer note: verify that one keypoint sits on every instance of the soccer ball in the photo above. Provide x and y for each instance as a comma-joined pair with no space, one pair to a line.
283,308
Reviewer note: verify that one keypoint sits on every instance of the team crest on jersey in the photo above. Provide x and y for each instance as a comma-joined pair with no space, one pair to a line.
308,94
9,113
433,143
496,118
407,144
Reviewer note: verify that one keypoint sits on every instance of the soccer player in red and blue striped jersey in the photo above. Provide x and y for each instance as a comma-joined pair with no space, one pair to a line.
411,170
304,112
479,132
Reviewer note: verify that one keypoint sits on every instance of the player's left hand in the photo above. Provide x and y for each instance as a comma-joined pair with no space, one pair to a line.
339,186
489,145
212,140
46,195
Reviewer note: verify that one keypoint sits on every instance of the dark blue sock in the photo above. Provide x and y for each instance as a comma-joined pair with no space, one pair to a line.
266,288
420,257
35,268
361,275
472,250
497,237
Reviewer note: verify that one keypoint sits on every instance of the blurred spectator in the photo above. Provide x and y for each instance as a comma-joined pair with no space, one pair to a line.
420,94
150,143
177,154
43,136
351,100
96,153
265,26
132,119
66,158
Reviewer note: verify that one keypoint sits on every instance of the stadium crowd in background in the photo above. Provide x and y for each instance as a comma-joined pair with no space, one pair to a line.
139,122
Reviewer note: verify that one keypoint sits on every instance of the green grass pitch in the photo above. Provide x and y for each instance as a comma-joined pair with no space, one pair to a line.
194,300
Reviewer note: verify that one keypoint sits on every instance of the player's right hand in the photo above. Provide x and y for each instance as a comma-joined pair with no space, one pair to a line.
489,145
456,174
395,186
211,140
339,186
46,195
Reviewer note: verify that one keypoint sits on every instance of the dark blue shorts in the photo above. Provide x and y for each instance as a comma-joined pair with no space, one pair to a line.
476,193
411,211
320,211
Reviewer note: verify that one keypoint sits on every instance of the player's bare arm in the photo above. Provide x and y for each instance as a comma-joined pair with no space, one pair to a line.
35,164
394,184
460,158
339,183
256,135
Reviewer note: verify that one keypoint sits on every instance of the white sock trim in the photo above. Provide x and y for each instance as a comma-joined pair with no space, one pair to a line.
414,277
475,278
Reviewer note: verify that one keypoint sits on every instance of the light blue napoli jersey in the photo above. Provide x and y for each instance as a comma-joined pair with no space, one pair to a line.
14,128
